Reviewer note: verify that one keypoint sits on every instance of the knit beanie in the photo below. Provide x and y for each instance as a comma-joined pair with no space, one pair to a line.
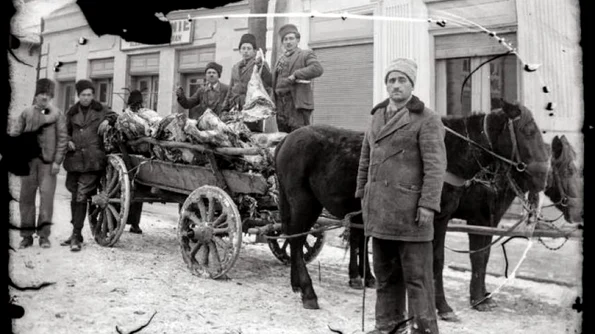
248,38
214,66
288,29
404,65
135,97
83,84
44,85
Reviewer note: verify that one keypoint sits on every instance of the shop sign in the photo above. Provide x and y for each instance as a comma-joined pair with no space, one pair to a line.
182,32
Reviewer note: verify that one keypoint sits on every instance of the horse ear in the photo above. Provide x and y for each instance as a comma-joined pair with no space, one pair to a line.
556,147
510,109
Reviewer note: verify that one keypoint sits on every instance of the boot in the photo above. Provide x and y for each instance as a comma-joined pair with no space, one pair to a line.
26,242
78,221
44,242
73,206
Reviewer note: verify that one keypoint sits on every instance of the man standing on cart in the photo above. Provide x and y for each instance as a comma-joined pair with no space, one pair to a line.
292,93
86,160
212,96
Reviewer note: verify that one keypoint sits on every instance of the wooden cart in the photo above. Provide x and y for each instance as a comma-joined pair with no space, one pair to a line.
218,206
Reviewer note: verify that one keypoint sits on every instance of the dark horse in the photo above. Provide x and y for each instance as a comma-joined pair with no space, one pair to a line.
317,166
485,203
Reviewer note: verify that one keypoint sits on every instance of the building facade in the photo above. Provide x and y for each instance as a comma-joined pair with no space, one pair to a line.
354,54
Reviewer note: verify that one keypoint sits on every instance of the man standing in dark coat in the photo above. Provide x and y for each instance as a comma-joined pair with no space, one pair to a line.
48,121
400,176
86,159
211,96
292,89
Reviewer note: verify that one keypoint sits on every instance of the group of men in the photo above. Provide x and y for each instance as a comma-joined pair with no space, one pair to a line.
401,170
288,84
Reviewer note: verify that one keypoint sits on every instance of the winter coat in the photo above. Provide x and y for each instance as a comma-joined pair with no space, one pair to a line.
198,102
238,85
89,154
402,166
52,136
304,65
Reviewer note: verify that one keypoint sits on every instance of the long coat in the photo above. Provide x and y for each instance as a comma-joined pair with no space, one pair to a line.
402,166
305,66
199,100
89,154
52,137
238,85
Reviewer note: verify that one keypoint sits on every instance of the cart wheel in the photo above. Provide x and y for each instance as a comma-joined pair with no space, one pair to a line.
312,246
108,211
209,232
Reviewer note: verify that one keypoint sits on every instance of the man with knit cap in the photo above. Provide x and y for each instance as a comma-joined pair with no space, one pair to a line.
86,121
241,73
49,122
211,96
292,89
400,176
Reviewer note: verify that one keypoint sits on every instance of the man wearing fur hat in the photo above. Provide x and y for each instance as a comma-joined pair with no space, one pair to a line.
211,96
48,121
292,90
401,170
86,159
241,73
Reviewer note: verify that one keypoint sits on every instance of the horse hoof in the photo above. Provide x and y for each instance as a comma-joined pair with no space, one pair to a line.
356,283
486,306
371,283
449,317
310,304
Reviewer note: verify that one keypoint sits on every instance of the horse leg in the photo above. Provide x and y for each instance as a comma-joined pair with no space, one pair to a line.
365,263
305,210
445,312
479,263
355,273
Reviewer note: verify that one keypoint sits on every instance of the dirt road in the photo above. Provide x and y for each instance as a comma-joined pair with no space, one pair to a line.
100,288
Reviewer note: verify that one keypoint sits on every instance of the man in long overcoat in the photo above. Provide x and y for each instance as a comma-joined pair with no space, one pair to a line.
292,88
85,162
401,171
49,123
211,96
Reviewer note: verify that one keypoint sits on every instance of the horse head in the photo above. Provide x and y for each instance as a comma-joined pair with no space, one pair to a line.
563,183
515,135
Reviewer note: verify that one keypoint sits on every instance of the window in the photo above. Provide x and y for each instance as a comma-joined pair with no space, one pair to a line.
103,91
149,86
68,95
193,83
482,91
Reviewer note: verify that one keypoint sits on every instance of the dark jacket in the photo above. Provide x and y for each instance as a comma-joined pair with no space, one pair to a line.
197,103
238,85
305,66
52,138
402,166
89,154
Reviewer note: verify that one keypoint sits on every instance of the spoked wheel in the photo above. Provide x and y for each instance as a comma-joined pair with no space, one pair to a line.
109,208
209,232
281,248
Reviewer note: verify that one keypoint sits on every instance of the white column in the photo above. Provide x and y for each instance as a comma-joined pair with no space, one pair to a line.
119,80
167,65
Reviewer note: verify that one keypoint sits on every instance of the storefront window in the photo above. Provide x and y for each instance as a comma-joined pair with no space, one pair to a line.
103,91
149,86
482,91
68,95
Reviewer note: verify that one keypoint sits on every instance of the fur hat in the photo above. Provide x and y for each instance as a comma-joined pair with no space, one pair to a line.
214,66
44,85
288,29
83,84
404,65
247,38
135,97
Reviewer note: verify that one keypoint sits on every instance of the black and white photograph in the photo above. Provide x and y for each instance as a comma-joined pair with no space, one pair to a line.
296,166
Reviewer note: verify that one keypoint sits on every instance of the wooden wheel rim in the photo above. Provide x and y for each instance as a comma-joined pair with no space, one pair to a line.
114,195
220,234
312,247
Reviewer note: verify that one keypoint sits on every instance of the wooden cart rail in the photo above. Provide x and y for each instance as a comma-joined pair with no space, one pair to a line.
198,147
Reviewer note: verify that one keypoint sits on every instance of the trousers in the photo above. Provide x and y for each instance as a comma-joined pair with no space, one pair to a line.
404,273
40,178
290,118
